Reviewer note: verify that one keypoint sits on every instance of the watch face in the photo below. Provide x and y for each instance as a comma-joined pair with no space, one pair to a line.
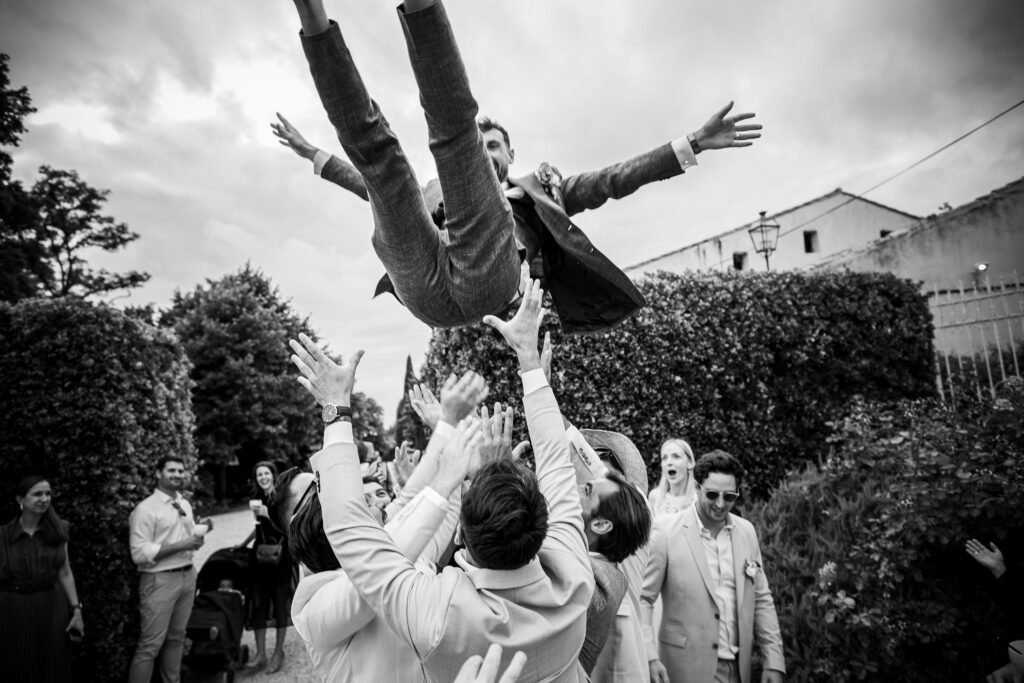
329,412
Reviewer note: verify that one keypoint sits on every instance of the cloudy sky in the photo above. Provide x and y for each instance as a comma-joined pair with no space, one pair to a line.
168,104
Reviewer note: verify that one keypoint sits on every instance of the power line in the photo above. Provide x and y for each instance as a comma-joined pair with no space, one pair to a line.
895,176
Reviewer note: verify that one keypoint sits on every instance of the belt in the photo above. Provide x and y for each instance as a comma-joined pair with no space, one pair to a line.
176,569
27,587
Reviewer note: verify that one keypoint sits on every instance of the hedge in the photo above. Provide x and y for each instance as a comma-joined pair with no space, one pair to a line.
755,364
866,556
91,399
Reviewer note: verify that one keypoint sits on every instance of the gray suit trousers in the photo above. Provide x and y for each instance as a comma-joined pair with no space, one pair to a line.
476,271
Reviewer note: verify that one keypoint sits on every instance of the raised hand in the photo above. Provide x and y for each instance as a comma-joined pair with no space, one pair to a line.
327,381
460,397
290,137
495,434
485,670
453,465
990,558
425,404
521,332
721,131
406,459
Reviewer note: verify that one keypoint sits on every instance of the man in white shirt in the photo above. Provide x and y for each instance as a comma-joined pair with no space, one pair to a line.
162,541
523,580
706,564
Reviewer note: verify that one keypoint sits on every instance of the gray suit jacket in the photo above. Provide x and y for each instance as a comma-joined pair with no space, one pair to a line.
678,570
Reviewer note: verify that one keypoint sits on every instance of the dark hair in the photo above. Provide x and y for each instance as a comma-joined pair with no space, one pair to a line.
257,492
504,516
718,461
52,529
164,459
370,479
486,123
307,540
630,516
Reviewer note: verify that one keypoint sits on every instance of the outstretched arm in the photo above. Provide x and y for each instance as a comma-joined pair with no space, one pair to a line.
721,131
326,165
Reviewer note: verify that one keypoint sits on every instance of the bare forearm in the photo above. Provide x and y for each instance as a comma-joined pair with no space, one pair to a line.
67,582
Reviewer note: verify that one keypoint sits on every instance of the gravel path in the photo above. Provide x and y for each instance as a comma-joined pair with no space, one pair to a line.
230,529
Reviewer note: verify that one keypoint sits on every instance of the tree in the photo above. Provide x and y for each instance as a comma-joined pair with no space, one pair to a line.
70,223
368,422
247,404
20,253
44,233
408,426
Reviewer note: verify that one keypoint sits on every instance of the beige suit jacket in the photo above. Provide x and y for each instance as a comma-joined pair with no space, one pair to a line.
678,570
539,609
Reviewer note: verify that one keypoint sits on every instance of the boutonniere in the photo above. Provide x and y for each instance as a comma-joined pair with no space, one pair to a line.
752,568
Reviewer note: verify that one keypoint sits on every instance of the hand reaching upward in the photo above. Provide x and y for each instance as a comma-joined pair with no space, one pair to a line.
425,404
327,381
521,332
721,131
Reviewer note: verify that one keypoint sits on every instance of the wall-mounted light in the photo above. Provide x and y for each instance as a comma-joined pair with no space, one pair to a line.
981,267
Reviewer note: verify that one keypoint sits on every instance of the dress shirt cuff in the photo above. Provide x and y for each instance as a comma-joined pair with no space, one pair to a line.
338,432
320,160
443,430
684,153
434,497
533,380
147,553
585,452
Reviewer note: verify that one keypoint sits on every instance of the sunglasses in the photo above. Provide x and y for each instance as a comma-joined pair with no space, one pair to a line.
177,506
728,496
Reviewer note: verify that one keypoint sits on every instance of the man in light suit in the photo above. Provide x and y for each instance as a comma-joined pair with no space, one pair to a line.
453,276
523,580
706,565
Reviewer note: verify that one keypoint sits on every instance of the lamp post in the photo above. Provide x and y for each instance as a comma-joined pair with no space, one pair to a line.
765,236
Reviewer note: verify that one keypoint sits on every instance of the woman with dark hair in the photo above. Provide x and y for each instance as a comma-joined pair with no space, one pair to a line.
39,608
273,579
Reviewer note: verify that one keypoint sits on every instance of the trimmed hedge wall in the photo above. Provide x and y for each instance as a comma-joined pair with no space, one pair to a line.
91,399
866,555
755,364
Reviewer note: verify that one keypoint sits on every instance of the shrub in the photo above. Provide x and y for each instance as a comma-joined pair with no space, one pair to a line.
91,398
866,557
755,364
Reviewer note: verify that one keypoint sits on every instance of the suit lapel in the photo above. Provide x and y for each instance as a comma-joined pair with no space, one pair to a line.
692,535
739,563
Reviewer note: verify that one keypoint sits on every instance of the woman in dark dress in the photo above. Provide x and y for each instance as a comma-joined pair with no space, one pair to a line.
39,608
273,584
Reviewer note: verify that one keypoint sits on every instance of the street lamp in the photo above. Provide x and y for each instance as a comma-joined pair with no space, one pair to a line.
765,236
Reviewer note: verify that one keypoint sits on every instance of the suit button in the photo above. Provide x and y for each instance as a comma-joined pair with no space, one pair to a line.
715,646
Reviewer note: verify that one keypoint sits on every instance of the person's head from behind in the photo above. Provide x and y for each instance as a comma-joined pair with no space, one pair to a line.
616,518
497,145
718,476
170,474
307,540
35,498
264,474
504,516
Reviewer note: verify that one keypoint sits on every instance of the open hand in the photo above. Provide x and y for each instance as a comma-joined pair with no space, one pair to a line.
290,137
406,459
495,434
990,558
521,332
460,397
485,670
425,404
721,131
327,381
453,465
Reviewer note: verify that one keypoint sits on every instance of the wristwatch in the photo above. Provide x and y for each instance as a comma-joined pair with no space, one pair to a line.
332,413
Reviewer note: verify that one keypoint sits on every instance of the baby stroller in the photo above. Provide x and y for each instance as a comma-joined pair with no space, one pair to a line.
214,631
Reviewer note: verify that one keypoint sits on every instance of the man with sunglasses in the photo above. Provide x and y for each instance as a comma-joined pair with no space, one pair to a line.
706,564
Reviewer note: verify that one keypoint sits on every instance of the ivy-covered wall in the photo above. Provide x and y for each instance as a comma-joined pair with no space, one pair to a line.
91,398
756,364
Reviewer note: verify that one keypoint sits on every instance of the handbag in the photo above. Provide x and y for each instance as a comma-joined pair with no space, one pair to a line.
269,553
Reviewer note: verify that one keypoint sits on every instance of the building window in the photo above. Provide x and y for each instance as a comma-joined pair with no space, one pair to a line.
884,233
739,260
811,242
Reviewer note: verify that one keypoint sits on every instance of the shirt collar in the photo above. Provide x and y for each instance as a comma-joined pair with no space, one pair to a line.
499,579
166,498
704,531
